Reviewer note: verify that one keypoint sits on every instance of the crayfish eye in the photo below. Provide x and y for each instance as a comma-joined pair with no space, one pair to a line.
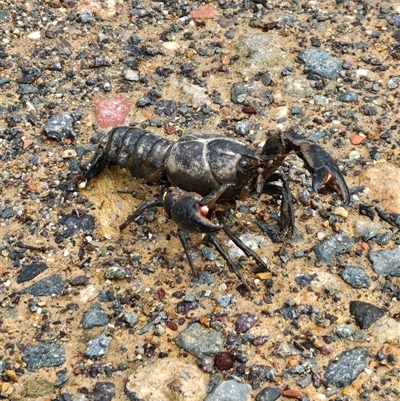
243,163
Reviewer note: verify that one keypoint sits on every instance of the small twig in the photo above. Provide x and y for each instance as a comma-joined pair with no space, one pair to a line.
32,247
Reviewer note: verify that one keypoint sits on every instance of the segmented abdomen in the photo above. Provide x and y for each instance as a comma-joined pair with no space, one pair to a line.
144,154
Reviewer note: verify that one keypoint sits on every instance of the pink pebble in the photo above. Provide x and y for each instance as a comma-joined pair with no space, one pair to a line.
204,12
112,111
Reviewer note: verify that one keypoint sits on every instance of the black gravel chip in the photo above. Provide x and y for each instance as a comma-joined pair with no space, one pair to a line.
365,314
72,224
103,391
30,271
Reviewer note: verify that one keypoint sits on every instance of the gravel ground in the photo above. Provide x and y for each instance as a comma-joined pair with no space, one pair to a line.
91,313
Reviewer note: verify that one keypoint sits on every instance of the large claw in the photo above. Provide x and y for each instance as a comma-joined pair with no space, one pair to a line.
324,170
186,209
320,164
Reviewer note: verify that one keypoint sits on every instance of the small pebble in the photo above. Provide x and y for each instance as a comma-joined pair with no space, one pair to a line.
268,394
200,341
365,314
94,316
230,390
44,355
224,361
341,212
97,347
356,277
244,322
344,369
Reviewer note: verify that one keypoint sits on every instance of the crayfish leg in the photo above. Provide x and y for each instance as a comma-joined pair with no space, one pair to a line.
286,212
145,205
232,266
240,244
96,165
183,238
211,199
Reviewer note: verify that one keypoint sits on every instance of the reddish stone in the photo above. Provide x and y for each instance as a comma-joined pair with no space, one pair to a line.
111,112
224,360
170,130
356,139
365,246
27,143
159,294
291,394
204,12
225,60
249,110
172,326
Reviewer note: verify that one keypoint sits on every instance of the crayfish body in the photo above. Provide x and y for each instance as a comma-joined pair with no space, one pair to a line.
212,171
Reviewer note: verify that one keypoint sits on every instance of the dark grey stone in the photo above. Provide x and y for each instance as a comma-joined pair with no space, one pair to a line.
386,263
304,280
268,394
7,213
204,278
344,369
48,286
103,391
395,20
333,246
365,314
348,97
260,373
199,341
208,253
130,319
94,316
4,80
44,355
165,107
368,110
355,276
320,62
230,390
242,127
304,381
25,89
383,238
60,127
86,17
224,300
148,99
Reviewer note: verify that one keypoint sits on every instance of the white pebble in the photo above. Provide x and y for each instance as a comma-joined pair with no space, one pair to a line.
361,72
354,155
69,154
34,35
341,211
171,45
